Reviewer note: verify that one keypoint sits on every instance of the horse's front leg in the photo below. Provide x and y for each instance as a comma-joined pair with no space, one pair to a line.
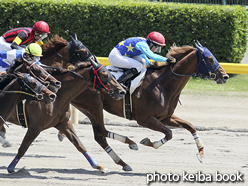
153,123
67,129
30,136
177,122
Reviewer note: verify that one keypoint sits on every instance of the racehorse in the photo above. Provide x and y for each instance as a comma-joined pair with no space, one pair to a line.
22,84
24,66
57,114
154,101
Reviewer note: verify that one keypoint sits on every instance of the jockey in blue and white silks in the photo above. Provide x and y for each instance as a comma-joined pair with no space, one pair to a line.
7,58
134,53
32,52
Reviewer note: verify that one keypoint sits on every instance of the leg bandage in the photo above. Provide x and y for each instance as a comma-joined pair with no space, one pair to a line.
159,143
197,141
92,162
112,154
117,137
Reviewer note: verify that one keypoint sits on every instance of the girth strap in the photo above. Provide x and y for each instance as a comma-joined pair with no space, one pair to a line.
127,106
21,116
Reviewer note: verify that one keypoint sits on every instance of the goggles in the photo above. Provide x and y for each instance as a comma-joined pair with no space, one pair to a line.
158,48
40,37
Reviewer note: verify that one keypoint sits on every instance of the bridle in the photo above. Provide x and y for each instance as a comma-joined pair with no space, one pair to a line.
26,89
74,46
201,64
28,67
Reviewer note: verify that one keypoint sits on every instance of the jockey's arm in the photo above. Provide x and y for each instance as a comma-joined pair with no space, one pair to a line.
144,48
18,39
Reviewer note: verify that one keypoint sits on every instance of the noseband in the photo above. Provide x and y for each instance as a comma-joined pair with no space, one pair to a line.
26,89
32,73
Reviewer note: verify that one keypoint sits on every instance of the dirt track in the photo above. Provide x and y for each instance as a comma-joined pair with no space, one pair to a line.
223,128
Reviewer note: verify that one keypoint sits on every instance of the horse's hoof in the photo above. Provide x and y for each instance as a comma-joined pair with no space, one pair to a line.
10,169
145,141
6,144
134,147
200,157
60,137
104,171
127,168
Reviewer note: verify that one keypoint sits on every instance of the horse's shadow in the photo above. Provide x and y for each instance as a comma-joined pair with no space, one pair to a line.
25,173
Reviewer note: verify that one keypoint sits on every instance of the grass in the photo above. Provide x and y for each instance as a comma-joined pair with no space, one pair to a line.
237,85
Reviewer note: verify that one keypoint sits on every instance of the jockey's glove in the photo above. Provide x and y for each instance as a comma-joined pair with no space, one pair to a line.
14,45
171,60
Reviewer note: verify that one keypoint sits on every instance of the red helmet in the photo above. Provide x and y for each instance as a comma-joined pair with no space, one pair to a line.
41,27
156,38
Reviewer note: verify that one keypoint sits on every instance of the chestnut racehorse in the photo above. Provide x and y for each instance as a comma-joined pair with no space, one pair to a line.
57,114
154,101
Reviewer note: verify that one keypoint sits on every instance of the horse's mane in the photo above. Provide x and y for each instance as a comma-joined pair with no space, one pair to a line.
176,52
53,44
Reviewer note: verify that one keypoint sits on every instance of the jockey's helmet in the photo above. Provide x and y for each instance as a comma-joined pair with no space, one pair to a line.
35,52
41,27
156,38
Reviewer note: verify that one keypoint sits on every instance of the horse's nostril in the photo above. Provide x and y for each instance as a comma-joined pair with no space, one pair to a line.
122,92
52,96
226,77
58,84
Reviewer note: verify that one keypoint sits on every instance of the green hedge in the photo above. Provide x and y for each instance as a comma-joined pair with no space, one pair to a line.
102,24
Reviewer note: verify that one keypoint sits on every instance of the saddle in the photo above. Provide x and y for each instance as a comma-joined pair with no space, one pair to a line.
131,84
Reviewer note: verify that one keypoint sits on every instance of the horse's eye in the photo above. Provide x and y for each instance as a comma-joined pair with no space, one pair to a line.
210,60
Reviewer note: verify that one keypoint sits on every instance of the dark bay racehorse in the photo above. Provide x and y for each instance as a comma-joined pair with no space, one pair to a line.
22,84
57,114
24,66
154,102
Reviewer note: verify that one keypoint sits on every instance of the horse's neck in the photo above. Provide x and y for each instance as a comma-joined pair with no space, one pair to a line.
72,85
9,100
187,65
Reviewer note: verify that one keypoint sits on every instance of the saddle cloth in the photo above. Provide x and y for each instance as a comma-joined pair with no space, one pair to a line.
136,82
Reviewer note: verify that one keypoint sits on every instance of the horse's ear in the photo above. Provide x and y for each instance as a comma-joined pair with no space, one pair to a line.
76,37
199,46
74,41
198,43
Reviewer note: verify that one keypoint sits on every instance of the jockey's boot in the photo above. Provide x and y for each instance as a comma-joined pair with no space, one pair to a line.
126,76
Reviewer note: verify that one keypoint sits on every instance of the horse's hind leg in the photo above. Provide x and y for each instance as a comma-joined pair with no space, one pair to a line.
177,122
68,130
30,136
154,124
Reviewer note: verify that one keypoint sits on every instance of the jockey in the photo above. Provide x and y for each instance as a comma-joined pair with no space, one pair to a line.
133,53
32,52
14,38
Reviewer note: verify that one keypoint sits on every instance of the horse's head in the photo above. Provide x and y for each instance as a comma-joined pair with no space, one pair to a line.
42,75
209,65
103,79
33,88
78,51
